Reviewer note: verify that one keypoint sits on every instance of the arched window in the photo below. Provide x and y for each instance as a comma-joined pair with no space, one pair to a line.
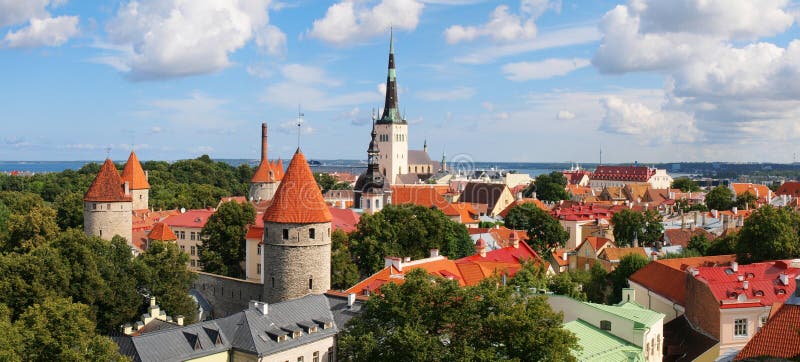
367,204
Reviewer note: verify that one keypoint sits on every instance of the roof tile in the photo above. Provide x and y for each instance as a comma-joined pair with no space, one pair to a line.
107,186
298,199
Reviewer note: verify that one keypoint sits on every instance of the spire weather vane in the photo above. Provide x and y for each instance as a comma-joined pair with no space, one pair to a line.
299,123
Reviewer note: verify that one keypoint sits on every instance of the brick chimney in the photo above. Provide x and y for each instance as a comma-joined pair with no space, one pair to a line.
263,141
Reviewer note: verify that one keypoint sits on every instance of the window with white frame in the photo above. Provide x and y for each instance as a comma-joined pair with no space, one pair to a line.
740,327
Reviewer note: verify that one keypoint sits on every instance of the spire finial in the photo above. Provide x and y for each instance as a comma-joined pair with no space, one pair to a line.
299,123
391,39
108,152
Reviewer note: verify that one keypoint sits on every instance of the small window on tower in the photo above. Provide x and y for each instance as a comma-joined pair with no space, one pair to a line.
94,206
310,283
285,234
311,233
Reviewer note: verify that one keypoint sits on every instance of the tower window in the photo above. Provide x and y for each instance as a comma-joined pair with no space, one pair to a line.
101,233
108,206
310,283
273,282
285,234
258,268
311,233
258,250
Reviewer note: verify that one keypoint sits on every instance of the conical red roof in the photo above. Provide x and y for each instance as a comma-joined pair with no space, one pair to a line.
161,232
262,173
134,174
298,199
107,186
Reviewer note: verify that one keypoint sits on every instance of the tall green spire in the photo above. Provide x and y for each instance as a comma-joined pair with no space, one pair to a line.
391,113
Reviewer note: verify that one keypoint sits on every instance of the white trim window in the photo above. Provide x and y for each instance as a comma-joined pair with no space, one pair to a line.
740,327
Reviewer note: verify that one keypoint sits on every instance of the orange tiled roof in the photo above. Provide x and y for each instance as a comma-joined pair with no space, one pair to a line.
255,233
791,188
558,256
683,236
596,242
344,219
190,219
268,171
778,338
161,232
107,186
537,202
761,192
145,219
133,173
615,254
667,277
298,199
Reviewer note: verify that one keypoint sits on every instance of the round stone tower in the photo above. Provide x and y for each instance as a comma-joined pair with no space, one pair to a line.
135,176
297,237
107,205
268,175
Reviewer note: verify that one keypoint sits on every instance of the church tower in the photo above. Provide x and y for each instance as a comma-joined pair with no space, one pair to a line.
392,128
137,179
107,205
268,175
297,237
369,193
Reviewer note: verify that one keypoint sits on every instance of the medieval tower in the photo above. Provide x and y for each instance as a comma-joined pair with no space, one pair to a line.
297,237
268,175
392,128
136,178
108,205
369,192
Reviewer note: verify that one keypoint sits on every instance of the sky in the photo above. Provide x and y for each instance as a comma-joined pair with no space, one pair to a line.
522,81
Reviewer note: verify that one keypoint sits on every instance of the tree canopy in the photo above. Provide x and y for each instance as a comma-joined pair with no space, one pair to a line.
327,182
628,265
434,319
685,184
549,187
720,198
746,200
223,247
406,231
545,233
645,227
768,234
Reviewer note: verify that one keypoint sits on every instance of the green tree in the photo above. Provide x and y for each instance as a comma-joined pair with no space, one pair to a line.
161,272
746,200
723,245
544,232
223,247
565,284
720,198
325,181
628,225
32,229
69,210
434,319
685,184
530,275
551,187
406,230
768,234
628,265
344,272
699,243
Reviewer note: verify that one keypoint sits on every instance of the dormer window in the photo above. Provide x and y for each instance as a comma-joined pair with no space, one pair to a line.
605,325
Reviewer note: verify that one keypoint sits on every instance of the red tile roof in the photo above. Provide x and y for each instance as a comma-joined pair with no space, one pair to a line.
596,242
139,239
558,256
298,199
189,219
778,338
537,202
764,285
107,186
575,176
344,219
623,173
255,233
133,173
667,277
268,171
682,236
433,196
145,219
761,192
161,232
791,188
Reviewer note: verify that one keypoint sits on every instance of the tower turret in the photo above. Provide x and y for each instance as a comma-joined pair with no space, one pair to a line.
268,175
392,128
369,191
107,205
297,237
135,176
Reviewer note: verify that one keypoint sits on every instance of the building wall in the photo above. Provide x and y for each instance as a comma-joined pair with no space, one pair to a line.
106,219
239,356
290,263
727,340
393,159
660,180
702,308
227,295
253,260
372,203
420,168
186,243
141,199
217,357
306,351
505,199
576,232
263,190
516,179
655,302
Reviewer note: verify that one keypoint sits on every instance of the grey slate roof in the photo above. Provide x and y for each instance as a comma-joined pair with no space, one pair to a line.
247,331
418,157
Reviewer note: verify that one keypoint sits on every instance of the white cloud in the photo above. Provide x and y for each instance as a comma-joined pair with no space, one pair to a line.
290,94
43,32
174,38
196,112
259,71
290,127
306,74
545,40
460,93
548,68
504,26
651,126
351,21
13,12
565,115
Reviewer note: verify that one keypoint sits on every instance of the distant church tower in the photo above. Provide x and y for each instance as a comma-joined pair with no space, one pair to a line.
137,179
369,193
297,237
392,128
107,205
268,175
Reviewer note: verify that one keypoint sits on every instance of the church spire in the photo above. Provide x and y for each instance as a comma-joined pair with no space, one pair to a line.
391,113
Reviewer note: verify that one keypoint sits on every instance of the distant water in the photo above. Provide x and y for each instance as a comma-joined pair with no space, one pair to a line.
352,166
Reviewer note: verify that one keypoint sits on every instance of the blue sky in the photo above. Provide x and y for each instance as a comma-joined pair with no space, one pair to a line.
530,80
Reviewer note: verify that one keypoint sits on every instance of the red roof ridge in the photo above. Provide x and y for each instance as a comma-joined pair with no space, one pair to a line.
161,232
134,174
298,199
107,186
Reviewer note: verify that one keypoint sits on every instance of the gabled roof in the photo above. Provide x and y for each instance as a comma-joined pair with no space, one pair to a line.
761,192
599,345
298,199
344,219
778,338
419,157
616,254
640,316
667,277
189,219
575,176
596,242
682,236
107,186
623,173
134,174
268,171
161,232
483,193
791,188
764,285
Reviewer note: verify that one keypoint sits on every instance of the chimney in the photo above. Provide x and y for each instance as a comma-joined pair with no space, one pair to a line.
407,259
566,256
434,253
147,174
696,215
703,219
264,141
514,239
735,266
740,221
628,295
519,195
715,214
734,210
745,284
351,299
127,188
259,307
179,320
394,261
127,329
784,278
